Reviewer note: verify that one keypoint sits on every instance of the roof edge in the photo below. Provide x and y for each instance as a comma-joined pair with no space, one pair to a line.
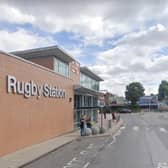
32,63
34,51
90,73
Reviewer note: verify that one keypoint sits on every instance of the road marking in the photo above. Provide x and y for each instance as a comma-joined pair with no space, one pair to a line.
112,142
118,133
70,163
122,128
90,146
136,128
158,150
162,165
74,159
86,165
67,166
83,152
115,136
163,130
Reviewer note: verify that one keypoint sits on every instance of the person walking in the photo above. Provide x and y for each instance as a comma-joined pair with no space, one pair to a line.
113,116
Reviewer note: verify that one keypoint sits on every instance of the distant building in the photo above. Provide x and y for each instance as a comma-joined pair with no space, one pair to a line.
111,99
147,101
108,98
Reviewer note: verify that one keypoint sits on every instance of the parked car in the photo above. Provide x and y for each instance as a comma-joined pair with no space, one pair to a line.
125,110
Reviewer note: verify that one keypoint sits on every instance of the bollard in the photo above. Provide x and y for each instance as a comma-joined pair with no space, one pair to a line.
118,118
109,123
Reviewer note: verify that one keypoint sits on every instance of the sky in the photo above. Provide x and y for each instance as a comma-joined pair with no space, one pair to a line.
122,41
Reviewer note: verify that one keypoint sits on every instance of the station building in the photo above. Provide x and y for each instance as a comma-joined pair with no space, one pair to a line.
43,93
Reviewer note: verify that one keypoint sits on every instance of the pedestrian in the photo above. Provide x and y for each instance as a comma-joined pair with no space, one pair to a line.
113,116
104,114
83,125
82,122
88,123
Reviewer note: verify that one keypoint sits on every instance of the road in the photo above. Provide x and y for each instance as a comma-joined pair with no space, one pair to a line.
141,143
76,154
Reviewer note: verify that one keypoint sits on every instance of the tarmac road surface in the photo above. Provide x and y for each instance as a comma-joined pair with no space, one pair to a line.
76,154
141,143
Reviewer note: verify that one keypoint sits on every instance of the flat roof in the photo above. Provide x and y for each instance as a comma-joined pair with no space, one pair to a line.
32,63
80,89
45,52
89,73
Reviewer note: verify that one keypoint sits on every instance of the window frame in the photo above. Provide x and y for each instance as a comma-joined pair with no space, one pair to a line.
61,67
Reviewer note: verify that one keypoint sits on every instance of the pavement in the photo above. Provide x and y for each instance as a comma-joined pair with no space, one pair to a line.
29,154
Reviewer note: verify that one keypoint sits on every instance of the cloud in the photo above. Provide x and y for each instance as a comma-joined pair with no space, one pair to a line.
137,31
135,58
22,39
145,37
92,21
14,15
75,52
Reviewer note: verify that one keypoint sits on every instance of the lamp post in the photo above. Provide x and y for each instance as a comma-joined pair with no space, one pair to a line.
101,104
101,124
157,101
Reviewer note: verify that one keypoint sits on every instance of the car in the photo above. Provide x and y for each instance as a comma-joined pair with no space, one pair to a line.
125,110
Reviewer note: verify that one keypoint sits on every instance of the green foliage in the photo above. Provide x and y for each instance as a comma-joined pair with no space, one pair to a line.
135,108
134,91
163,90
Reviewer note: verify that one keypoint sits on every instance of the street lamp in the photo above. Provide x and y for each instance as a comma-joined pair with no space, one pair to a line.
157,101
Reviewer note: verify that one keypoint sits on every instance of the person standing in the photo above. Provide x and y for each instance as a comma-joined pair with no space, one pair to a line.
113,116
88,123
82,125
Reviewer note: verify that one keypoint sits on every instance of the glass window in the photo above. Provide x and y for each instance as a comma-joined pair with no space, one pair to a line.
89,82
61,67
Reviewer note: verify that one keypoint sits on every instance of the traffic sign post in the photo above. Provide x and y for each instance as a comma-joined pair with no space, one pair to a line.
101,110
101,104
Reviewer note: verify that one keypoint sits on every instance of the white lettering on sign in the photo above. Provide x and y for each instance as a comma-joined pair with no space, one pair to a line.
75,67
28,89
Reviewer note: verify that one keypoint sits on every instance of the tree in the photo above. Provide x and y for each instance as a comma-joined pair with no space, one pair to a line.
163,90
134,91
